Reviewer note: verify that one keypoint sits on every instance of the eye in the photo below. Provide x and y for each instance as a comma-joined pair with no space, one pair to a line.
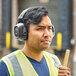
50,27
39,28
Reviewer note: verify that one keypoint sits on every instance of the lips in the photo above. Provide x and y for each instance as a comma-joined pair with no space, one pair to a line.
46,41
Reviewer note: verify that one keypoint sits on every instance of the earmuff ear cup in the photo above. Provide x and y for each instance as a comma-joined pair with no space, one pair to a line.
53,31
20,32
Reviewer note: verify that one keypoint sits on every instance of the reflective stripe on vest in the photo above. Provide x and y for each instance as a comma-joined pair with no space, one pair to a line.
18,64
12,62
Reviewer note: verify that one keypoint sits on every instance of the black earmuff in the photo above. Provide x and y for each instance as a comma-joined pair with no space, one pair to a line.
20,32
53,31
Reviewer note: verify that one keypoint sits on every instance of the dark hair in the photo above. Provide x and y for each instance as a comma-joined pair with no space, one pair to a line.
32,15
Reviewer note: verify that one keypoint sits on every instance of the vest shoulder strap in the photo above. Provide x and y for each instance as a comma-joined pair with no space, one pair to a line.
13,65
51,64
56,59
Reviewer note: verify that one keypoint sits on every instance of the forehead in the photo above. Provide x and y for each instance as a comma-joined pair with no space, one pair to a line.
45,21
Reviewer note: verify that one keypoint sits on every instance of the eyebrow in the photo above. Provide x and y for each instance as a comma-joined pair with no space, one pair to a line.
44,26
40,26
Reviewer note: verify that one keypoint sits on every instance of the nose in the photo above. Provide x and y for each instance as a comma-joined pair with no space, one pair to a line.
47,33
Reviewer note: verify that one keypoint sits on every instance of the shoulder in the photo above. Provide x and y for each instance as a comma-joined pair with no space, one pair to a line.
3,69
52,55
55,58
10,56
4,62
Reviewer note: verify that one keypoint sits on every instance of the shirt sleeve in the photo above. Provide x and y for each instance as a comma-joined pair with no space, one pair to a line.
3,69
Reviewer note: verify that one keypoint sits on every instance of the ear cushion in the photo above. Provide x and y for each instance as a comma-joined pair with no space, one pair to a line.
20,31
53,31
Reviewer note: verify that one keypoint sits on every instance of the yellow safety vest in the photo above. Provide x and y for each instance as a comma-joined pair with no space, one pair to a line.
19,65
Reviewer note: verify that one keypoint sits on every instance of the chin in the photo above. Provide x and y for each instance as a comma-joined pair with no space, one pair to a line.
45,47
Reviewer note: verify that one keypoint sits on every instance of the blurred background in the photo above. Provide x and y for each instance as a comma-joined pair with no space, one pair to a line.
63,16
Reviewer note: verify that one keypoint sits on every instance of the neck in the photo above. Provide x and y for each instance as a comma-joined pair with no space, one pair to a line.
34,54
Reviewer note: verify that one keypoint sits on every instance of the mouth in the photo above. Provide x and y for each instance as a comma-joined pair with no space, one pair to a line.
46,41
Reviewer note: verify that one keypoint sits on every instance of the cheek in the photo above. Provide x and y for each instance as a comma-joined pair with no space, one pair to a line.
51,34
34,37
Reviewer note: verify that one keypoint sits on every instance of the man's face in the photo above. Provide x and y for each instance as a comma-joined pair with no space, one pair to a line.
40,36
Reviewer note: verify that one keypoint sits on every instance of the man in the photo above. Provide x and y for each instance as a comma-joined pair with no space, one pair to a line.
36,29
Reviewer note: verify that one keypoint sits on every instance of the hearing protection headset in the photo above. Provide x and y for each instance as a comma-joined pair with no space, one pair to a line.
21,31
